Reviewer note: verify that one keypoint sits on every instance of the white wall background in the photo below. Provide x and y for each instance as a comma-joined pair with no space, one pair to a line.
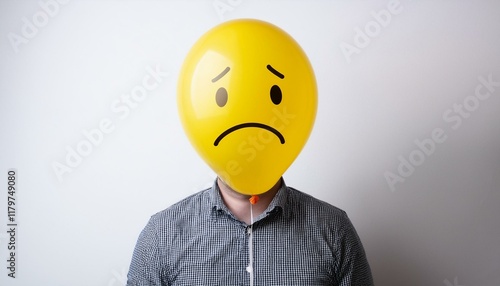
441,226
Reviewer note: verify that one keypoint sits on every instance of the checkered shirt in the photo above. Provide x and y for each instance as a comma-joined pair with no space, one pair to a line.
299,240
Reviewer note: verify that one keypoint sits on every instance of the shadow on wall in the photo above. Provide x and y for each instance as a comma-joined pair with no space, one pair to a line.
393,264
390,233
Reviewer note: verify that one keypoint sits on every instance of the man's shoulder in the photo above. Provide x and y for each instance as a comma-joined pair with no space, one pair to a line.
311,205
188,206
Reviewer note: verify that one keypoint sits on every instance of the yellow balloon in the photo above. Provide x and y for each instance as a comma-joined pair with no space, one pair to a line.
247,100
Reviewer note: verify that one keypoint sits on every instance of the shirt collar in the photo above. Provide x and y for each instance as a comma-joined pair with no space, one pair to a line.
280,201
216,202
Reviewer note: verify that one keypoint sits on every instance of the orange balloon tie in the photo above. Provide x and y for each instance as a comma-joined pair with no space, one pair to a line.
253,199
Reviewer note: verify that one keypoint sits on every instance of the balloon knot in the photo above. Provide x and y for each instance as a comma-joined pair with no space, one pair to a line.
253,199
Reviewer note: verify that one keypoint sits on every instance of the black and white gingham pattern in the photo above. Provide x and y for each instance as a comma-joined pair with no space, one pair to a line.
299,240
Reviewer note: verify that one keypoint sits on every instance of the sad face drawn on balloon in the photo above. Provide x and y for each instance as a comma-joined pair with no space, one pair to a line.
247,100
221,98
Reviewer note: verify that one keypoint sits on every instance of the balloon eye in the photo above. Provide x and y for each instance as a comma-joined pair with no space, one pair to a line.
221,97
276,94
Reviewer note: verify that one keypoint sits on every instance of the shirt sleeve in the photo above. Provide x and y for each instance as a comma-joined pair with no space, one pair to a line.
352,267
145,268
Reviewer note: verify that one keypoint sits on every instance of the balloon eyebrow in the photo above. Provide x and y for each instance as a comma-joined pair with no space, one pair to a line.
221,74
275,72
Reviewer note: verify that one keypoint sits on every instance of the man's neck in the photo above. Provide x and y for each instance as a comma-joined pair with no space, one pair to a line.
239,204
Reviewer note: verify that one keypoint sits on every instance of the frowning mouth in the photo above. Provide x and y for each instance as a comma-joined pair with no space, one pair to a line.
250,124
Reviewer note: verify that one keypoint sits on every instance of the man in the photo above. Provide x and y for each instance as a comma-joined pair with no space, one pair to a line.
247,99
203,240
